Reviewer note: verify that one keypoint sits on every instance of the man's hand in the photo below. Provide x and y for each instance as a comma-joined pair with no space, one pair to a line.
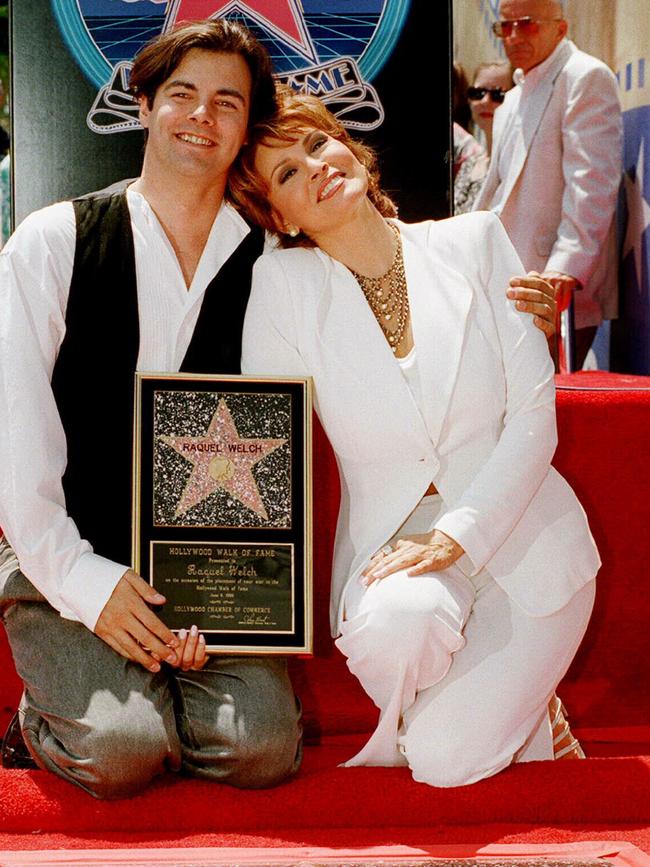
191,651
131,628
427,552
564,285
536,294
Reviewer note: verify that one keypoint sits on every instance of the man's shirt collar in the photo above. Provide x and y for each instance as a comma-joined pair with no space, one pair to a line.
532,78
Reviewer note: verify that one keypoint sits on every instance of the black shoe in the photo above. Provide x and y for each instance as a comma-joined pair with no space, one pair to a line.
14,751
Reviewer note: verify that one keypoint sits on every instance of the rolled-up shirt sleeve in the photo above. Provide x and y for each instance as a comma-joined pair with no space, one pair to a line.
35,273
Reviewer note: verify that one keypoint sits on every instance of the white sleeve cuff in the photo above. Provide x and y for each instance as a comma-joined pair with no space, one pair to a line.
88,587
460,525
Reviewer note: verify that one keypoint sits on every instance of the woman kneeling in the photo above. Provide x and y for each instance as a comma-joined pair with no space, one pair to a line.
464,565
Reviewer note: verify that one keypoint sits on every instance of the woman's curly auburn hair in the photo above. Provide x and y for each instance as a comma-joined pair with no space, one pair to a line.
296,113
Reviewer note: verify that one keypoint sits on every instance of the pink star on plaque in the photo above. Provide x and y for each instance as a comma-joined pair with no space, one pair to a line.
283,18
222,459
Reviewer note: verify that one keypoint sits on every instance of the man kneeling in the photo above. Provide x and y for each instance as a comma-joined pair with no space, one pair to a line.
92,290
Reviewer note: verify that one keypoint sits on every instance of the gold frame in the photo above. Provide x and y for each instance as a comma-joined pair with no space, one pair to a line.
306,646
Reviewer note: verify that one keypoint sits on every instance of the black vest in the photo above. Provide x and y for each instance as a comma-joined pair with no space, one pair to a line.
93,378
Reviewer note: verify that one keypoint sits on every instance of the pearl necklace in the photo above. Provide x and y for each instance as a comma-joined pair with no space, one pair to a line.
388,296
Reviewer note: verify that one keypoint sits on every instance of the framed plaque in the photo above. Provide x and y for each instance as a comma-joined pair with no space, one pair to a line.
222,507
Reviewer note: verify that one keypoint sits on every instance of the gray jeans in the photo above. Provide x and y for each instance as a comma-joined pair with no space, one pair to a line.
109,726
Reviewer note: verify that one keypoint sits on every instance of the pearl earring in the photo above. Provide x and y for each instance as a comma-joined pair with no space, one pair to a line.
293,231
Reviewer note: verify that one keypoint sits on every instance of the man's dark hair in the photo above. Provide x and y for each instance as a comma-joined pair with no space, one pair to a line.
157,60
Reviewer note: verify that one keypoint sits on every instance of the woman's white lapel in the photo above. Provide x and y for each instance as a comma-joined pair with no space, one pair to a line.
440,298
370,384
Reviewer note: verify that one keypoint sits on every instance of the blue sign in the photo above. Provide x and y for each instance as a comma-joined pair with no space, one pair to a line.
636,238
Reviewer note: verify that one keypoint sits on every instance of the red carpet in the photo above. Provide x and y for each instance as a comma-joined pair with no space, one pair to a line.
603,451
599,790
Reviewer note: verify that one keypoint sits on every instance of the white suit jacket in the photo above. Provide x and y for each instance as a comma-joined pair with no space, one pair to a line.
563,175
487,432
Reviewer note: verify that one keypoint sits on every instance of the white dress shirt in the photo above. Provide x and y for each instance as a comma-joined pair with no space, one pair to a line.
408,364
35,274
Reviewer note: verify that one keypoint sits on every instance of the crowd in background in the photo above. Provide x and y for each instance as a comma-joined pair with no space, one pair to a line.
539,142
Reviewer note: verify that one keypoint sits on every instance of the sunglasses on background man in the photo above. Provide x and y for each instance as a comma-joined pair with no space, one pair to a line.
525,26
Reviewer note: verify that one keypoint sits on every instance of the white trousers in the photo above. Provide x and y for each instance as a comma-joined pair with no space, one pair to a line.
461,675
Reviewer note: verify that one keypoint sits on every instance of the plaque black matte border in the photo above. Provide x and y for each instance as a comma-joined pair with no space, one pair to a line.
299,535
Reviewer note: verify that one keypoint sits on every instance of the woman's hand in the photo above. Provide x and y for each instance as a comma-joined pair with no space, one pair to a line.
536,295
190,653
427,552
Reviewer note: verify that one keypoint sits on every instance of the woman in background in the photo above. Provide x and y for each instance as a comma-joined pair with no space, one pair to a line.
492,81
470,162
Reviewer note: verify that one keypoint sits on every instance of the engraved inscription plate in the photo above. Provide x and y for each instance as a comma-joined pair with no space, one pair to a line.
222,507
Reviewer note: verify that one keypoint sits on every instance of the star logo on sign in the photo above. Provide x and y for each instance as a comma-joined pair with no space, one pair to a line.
222,460
638,216
283,18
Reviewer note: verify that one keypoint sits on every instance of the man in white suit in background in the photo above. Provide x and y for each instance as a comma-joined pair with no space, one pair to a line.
557,161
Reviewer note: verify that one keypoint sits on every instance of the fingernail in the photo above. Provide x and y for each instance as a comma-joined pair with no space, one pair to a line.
171,657
201,639
510,293
157,599
155,656
520,305
182,634
154,667
194,631
174,642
